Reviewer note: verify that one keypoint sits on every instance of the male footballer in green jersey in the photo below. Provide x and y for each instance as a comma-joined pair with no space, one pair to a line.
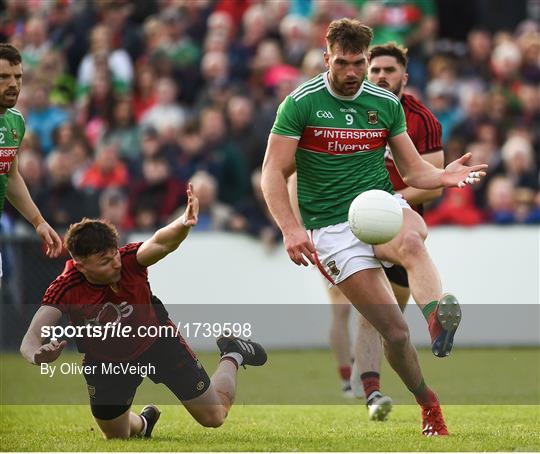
12,130
334,130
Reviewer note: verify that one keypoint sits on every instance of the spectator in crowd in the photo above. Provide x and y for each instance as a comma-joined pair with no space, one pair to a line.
518,161
115,15
295,33
224,161
106,171
213,215
476,63
43,118
178,46
159,188
441,100
500,200
36,43
456,207
144,96
113,206
95,105
250,141
251,215
121,129
33,172
217,83
62,202
167,117
118,61
83,155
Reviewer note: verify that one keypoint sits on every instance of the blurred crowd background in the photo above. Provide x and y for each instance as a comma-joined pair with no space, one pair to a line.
127,101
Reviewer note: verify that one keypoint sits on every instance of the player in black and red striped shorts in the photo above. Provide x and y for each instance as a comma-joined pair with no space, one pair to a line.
106,286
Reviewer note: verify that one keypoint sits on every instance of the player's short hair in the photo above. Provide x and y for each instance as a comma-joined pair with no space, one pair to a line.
351,35
10,53
90,236
391,49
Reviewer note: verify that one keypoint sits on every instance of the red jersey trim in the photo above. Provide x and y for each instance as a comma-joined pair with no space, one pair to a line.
341,141
319,264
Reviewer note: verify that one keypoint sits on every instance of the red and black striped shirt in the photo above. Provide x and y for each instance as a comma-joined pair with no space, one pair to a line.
424,130
89,304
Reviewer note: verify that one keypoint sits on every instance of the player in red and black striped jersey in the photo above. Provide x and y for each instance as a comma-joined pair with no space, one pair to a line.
104,289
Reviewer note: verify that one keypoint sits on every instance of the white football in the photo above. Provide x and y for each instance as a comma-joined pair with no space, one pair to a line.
375,217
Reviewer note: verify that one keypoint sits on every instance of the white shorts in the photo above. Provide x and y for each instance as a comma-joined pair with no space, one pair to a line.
340,254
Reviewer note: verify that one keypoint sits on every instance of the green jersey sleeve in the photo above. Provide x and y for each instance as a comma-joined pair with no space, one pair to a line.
289,119
399,124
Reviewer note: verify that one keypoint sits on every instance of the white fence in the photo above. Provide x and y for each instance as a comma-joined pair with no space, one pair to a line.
494,271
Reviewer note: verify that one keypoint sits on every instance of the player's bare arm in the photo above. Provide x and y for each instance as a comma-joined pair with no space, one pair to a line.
421,174
168,238
277,167
417,196
32,348
19,197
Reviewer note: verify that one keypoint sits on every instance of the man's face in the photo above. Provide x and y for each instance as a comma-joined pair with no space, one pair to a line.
387,73
102,268
347,70
10,84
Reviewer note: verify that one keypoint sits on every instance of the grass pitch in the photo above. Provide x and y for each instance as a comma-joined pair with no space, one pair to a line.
500,383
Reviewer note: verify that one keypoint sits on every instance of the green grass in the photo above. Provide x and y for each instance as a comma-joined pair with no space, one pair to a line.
484,394
278,428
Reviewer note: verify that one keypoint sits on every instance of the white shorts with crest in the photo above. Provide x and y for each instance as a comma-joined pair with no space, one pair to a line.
340,254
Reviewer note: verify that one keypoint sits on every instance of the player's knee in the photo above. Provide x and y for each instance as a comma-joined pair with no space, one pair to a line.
397,337
214,417
412,245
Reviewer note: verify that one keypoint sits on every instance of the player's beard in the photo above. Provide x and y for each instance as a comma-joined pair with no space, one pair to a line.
348,87
8,102
396,90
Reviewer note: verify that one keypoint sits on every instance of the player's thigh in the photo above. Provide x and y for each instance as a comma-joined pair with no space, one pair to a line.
117,427
412,222
178,368
369,291
110,393
339,254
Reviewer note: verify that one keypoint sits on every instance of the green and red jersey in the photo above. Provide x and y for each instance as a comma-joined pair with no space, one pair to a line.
12,129
341,145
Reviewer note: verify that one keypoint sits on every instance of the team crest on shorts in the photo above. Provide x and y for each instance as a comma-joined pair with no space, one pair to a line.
373,117
200,385
91,391
333,268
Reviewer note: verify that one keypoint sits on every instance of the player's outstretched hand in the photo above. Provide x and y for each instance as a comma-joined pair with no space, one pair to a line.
190,216
458,174
50,238
48,353
299,247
